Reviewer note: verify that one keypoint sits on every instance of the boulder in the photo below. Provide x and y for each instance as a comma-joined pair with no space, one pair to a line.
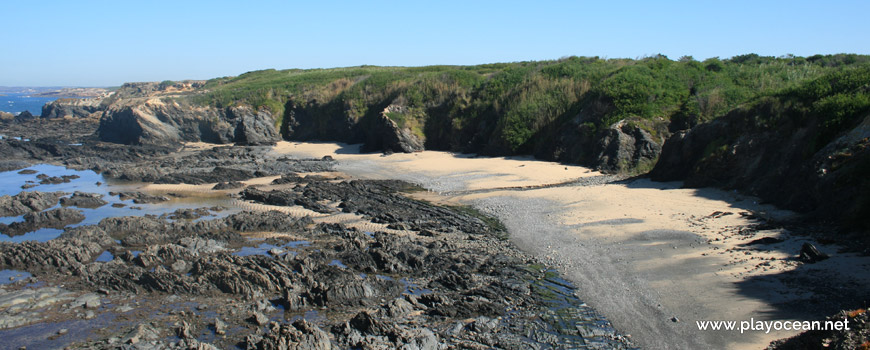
810,254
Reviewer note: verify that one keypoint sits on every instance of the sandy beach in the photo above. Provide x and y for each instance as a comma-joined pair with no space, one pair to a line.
654,258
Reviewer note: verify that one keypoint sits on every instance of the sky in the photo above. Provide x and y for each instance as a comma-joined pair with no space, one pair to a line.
107,43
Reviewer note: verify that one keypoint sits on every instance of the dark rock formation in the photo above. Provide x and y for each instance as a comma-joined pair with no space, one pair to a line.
228,185
385,134
27,202
164,122
84,200
139,197
54,180
784,165
300,335
314,121
55,218
25,116
625,147
810,254
253,127
73,108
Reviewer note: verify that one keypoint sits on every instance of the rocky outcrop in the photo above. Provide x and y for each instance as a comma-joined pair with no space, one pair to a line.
385,134
626,147
155,121
252,127
782,164
55,218
26,115
313,121
84,200
73,108
28,202
334,122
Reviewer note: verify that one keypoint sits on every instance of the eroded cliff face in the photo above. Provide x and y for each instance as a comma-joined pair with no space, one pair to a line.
783,165
331,122
150,114
158,121
74,108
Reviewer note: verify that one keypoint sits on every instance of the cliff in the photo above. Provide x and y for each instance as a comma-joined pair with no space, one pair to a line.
157,121
74,108
763,125
151,114
806,149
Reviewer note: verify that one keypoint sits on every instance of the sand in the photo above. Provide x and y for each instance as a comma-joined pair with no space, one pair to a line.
652,257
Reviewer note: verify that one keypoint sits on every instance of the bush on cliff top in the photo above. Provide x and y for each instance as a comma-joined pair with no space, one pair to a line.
507,104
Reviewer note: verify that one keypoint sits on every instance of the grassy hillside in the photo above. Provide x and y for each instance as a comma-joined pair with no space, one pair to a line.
508,108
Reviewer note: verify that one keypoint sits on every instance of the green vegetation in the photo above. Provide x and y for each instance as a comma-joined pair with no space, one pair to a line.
508,108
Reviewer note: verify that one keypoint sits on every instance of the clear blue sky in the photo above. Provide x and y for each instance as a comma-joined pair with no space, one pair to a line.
103,43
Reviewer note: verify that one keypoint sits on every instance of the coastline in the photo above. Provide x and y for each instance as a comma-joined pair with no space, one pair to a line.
652,257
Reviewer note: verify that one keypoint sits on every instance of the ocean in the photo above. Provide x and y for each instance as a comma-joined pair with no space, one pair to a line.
17,102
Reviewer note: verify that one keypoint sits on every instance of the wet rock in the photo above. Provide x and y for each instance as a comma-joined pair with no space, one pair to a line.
55,218
484,324
21,307
810,254
220,327
258,319
399,308
26,202
366,323
84,200
28,172
10,165
88,301
54,180
140,333
288,179
139,197
228,185
179,266
185,331
187,214
300,335
64,254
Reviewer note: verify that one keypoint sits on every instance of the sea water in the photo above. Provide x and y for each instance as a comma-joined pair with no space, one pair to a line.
87,181
17,102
